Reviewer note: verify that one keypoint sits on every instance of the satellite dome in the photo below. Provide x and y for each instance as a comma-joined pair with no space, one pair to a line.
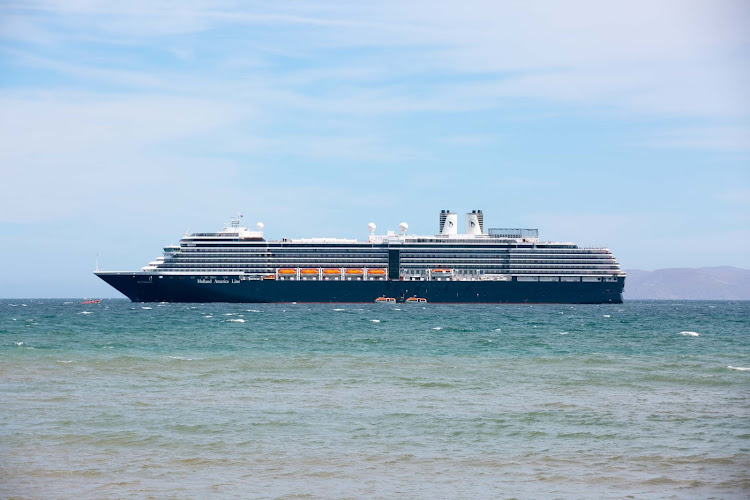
371,226
403,227
260,226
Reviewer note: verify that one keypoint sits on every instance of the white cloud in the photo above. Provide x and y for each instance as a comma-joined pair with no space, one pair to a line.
707,138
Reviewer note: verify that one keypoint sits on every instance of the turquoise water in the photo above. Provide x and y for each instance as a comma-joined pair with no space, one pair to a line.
648,399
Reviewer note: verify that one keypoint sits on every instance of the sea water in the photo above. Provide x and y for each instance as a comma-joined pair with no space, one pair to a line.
120,399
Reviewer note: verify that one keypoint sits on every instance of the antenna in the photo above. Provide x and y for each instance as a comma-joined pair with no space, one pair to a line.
96,268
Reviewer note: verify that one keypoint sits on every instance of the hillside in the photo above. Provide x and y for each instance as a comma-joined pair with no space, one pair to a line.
704,283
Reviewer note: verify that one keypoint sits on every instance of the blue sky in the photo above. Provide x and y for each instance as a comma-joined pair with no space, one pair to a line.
123,126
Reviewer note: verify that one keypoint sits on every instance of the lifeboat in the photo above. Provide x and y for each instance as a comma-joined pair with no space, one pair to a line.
355,272
416,299
269,277
287,272
376,272
441,271
385,299
308,272
331,272
94,301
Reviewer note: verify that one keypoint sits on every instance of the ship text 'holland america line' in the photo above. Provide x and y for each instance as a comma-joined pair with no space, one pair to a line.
476,266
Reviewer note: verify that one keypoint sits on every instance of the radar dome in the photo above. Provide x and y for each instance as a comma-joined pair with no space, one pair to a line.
403,227
371,226
260,226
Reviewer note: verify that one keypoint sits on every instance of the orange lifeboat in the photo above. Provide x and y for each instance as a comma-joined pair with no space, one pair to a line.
331,272
385,299
376,272
287,272
308,272
416,299
355,272
441,270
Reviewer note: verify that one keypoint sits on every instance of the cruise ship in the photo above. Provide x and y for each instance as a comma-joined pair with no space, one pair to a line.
497,265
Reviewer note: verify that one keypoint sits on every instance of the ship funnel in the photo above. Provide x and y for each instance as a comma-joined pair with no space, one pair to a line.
475,222
448,222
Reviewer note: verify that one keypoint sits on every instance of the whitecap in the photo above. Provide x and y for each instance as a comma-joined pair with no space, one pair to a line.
397,309
209,316
181,358
497,330
236,320
375,320
65,361
85,312
739,368
19,343
228,314
252,310
690,334
146,308
438,328
607,316
160,305
108,347
339,309
23,305
564,333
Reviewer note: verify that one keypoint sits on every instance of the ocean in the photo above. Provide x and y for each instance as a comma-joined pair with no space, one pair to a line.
123,400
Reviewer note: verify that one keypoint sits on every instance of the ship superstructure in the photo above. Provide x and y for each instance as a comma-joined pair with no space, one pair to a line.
450,266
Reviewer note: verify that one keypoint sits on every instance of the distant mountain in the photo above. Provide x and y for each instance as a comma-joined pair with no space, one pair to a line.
703,283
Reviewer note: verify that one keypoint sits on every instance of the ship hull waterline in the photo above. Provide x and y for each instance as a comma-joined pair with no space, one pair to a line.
145,287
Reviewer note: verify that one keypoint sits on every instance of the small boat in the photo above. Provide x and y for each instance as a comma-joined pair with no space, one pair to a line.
332,271
308,271
94,301
376,272
441,272
385,299
287,272
357,272
416,299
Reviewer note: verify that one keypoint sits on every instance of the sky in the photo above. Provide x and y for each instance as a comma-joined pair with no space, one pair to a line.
125,124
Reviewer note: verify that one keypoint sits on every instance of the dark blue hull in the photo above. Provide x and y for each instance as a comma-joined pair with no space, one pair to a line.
140,287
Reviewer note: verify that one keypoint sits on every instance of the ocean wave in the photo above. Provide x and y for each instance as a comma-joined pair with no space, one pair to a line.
208,316
375,320
236,320
339,309
690,334
607,316
179,358
146,308
85,312
738,368
438,328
